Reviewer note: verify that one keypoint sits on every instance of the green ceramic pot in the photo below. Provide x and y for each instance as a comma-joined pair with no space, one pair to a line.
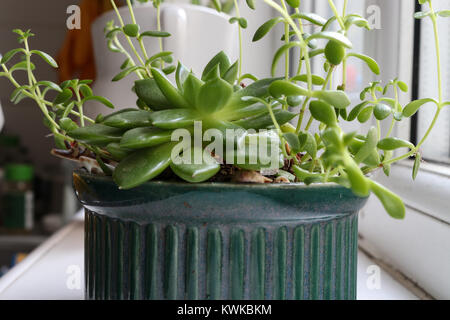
167,240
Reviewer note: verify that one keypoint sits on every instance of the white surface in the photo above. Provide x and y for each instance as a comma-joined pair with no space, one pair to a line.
56,266
419,245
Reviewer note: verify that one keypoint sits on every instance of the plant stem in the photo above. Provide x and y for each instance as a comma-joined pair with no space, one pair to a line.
80,106
158,21
336,13
140,40
286,41
241,53
438,53
133,48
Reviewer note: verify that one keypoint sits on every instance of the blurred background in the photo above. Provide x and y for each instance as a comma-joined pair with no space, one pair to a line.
418,246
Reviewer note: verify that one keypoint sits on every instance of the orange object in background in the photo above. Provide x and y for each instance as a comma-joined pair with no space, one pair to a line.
76,58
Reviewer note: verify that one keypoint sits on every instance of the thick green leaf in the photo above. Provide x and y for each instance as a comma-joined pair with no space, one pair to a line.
174,118
258,89
170,92
293,141
141,138
221,59
265,120
360,184
148,91
371,63
10,54
394,143
316,80
129,120
356,110
391,202
232,73
323,112
311,17
265,28
213,96
286,88
102,100
368,147
63,96
46,57
191,89
251,4
293,3
122,74
365,114
181,75
67,124
118,153
131,30
142,166
337,99
335,36
414,106
154,34
382,111
280,52
357,21
196,173
96,134
308,143
23,65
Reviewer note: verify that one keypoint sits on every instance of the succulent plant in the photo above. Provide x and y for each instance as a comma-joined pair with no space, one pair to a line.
139,144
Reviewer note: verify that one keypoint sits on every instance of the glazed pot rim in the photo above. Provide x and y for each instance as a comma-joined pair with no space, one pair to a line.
221,185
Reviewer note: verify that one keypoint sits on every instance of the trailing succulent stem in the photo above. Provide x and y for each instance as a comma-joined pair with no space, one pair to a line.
141,143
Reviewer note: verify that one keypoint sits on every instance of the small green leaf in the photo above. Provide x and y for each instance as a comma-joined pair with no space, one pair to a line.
371,63
155,34
421,14
102,100
293,141
251,4
280,52
10,54
414,106
335,36
356,110
394,143
416,167
368,147
382,111
63,96
391,202
286,88
316,80
308,143
159,55
357,21
365,114
264,121
23,65
337,98
443,13
323,112
311,17
86,91
131,30
169,70
125,73
293,3
67,124
46,57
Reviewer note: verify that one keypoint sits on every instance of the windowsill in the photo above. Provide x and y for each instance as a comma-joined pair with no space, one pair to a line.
42,275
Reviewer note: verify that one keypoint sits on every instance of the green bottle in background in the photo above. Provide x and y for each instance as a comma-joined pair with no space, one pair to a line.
17,205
